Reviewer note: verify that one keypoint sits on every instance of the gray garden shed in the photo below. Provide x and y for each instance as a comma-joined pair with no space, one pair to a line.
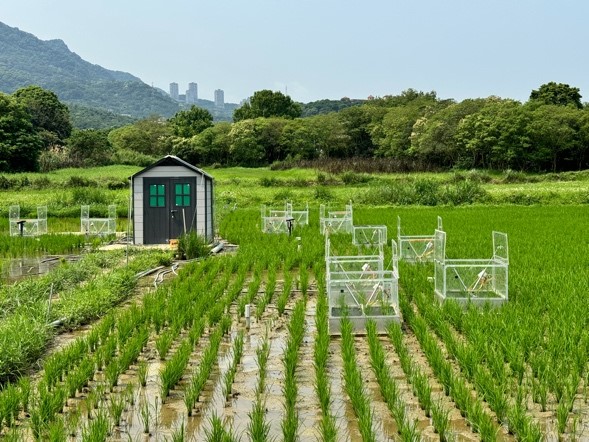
171,197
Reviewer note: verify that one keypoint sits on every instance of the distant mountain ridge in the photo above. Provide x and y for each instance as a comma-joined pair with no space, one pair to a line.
26,60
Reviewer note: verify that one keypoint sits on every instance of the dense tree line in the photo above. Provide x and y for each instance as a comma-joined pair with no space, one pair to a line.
549,132
416,130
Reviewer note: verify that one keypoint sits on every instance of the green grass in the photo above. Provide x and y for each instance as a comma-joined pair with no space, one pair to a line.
246,187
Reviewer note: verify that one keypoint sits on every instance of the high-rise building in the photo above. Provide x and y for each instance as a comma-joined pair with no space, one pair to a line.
219,98
192,93
174,91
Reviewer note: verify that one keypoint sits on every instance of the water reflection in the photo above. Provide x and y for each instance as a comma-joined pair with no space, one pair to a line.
19,268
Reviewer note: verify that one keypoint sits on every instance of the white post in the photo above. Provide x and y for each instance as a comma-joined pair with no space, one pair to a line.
247,316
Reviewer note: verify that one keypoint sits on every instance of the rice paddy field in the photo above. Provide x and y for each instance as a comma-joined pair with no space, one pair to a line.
97,349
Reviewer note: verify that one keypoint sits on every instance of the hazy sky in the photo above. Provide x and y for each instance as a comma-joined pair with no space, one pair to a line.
316,49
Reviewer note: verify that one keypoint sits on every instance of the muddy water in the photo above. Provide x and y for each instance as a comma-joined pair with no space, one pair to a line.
20,268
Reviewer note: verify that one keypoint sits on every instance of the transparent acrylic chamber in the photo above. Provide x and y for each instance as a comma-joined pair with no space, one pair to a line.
30,226
277,221
361,287
333,221
98,226
416,248
477,281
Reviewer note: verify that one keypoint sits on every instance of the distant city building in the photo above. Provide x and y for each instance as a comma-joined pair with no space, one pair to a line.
192,93
219,98
182,98
174,91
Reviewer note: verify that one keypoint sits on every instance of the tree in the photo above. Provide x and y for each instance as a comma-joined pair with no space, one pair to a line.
244,148
188,123
433,138
49,116
266,103
494,137
300,139
208,147
555,136
89,147
269,135
150,136
332,139
559,94
356,121
20,144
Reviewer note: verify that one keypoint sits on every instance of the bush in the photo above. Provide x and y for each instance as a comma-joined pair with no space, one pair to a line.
132,158
41,183
323,193
191,245
269,182
513,176
283,195
465,192
114,184
5,183
427,192
54,159
394,193
89,195
350,178
80,181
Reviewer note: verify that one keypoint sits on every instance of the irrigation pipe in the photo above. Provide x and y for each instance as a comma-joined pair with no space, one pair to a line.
159,278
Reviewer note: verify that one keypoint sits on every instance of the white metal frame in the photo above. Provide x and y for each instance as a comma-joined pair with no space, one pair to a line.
98,226
478,281
416,248
331,221
30,226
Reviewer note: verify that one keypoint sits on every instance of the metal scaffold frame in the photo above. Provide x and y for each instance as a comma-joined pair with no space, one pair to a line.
98,226
360,287
416,248
283,221
477,281
29,226
331,221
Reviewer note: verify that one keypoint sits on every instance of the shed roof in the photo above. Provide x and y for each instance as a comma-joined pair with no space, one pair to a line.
171,160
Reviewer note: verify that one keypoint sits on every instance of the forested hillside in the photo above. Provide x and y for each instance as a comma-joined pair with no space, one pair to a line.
25,60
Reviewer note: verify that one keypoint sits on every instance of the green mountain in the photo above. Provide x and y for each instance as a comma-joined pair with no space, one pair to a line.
25,60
